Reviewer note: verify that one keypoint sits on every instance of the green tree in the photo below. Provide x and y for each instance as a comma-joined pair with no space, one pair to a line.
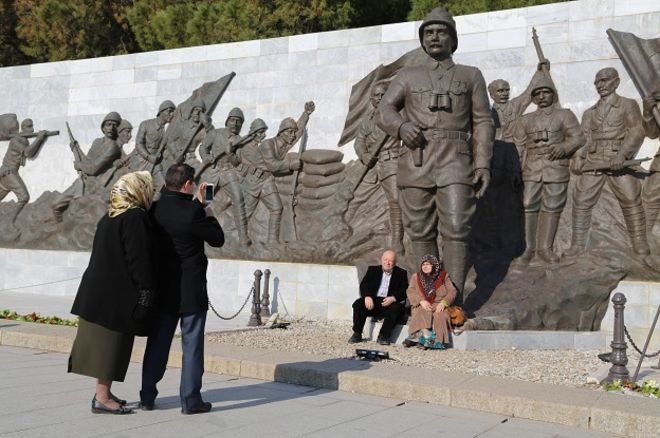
53,30
419,8
10,52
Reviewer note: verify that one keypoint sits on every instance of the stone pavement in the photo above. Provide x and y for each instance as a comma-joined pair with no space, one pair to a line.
585,409
40,399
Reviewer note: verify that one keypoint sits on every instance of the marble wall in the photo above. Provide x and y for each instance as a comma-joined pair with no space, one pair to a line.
299,290
276,76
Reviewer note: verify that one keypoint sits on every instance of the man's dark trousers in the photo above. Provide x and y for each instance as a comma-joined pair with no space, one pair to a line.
391,315
157,351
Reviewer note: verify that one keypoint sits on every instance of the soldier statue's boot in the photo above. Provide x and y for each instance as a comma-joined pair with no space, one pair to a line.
396,226
455,260
652,211
421,248
548,223
531,224
274,222
581,224
636,224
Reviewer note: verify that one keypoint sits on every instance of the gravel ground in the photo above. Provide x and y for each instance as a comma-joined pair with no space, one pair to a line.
563,367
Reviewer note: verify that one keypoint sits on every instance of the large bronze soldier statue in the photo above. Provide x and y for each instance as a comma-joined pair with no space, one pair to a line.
218,152
257,182
651,194
18,151
614,133
94,167
446,126
384,161
148,151
550,135
273,153
181,144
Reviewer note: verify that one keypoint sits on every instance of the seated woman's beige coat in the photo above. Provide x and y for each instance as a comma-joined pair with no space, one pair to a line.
422,319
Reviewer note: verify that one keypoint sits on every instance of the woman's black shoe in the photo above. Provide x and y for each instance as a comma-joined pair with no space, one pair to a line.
100,408
117,399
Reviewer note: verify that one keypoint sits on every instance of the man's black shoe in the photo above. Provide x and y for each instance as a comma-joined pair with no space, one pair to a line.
382,340
355,338
146,406
201,409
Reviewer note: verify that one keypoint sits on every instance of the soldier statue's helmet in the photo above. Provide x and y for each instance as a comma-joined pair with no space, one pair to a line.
165,105
235,112
287,123
124,125
440,16
543,82
111,117
197,103
257,125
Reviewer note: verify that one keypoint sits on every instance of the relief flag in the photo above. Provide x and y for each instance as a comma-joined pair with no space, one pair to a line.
641,59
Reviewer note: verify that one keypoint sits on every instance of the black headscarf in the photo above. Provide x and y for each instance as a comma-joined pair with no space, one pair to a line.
428,281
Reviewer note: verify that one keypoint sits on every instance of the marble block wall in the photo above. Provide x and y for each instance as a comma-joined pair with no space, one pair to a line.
276,76
299,290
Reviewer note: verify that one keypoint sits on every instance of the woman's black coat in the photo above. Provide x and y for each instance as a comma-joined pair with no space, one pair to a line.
121,264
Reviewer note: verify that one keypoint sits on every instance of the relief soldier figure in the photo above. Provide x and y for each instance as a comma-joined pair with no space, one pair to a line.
18,151
507,111
257,182
550,135
218,152
181,144
651,193
383,160
94,167
443,106
148,151
614,133
273,153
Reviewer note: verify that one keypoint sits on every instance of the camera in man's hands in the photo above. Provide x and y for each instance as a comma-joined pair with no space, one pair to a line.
208,193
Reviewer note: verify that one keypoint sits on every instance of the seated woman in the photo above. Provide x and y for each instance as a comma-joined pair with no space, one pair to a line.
430,293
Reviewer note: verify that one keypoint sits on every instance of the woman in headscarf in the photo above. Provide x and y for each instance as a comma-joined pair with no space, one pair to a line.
116,291
430,293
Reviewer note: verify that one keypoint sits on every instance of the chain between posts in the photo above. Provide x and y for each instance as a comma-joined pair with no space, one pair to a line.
625,330
239,310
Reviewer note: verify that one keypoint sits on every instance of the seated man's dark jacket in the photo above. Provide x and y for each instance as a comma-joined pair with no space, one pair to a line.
371,282
181,228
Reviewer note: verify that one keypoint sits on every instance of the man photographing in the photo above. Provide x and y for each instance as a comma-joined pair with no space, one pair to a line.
182,225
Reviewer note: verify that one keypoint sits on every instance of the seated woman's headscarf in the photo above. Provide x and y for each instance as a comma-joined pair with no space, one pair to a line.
428,283
133,190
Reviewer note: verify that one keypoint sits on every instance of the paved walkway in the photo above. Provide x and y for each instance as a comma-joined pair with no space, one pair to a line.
40,399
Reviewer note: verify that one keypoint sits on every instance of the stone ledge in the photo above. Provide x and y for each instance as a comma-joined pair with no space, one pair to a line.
582,408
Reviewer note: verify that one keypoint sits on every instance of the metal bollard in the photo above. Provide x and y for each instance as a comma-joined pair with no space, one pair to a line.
618,358
265,299
255,318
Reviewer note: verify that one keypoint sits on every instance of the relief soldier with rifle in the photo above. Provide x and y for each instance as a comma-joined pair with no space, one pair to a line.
95,169
18,151
149,144
273,152
614,133
381,155
257,182
219,161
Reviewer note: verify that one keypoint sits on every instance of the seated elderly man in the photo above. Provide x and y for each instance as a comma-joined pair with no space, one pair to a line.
382,294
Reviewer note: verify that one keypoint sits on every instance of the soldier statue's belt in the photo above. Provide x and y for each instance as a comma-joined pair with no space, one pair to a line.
247,169
603,142
436,134
388,155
